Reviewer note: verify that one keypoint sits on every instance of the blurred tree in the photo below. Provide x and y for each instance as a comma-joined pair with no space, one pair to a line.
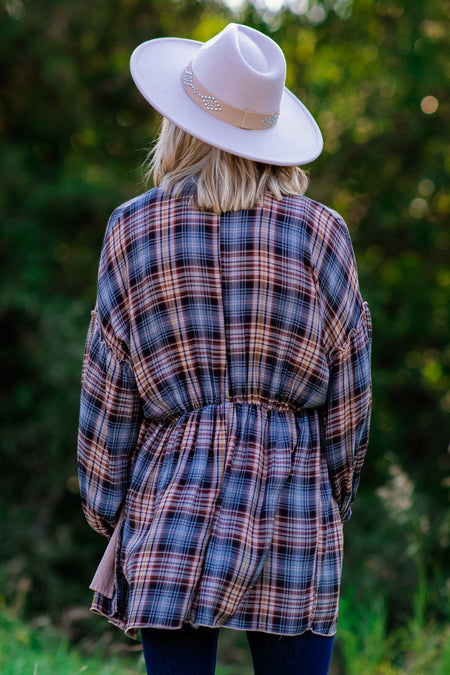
73,133
73,129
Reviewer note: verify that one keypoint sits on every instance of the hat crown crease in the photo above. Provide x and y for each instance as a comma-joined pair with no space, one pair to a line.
243,68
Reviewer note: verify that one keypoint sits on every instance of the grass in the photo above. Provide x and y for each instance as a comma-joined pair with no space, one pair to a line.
367,646
31,650
364,646
28,650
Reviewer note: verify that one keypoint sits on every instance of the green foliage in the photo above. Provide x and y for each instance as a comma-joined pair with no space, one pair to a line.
41,650
73,132
364,645
26,650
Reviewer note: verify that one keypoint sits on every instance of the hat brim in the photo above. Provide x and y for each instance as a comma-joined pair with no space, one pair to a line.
157,67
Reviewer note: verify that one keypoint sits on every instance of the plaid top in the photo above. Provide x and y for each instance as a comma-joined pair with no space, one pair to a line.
224,413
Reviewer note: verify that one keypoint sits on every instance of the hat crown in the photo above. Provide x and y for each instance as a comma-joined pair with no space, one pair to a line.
243,68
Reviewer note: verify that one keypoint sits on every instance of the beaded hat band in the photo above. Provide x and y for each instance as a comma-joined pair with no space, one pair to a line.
243,119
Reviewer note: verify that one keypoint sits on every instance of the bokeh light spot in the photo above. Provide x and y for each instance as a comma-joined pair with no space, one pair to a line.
418,208
429,105
426,187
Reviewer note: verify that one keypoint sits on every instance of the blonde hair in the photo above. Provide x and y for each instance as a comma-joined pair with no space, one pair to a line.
224,182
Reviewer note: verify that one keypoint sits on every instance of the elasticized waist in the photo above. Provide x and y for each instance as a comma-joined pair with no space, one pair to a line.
271,406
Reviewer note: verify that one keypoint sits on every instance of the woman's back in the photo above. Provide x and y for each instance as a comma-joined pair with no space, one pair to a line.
223,308
223,331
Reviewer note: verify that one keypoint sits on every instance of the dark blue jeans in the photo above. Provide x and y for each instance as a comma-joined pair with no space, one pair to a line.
192,651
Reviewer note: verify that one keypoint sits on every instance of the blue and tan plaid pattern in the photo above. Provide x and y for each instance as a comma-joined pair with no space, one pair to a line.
225,412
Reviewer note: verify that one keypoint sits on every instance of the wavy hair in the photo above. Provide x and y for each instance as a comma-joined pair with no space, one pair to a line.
224,182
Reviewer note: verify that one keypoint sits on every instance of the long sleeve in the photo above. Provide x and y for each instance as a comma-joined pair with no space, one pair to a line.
347,335
347,413
110,409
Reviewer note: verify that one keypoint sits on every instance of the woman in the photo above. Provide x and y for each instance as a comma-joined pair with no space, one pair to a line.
226,382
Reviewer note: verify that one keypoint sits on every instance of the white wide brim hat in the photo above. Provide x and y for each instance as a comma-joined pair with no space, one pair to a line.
235,80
